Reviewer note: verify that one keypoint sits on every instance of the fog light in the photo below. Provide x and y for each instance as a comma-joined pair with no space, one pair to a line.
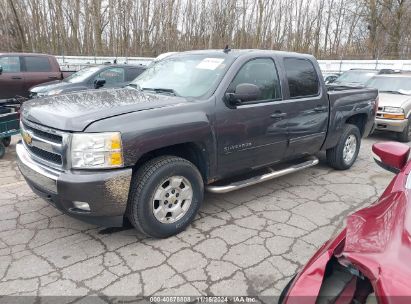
82,205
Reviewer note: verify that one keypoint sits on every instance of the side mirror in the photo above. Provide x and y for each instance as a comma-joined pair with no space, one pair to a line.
1,70
99,82
392,156
244,92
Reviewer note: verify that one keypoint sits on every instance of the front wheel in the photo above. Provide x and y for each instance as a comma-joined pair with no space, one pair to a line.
2,150
344,154
166,194
6,141
405,135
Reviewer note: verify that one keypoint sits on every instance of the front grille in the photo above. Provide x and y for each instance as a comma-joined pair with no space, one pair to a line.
46,135
44,144
47,156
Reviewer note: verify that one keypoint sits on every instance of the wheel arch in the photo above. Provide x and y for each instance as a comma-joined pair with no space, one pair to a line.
195,152
358,120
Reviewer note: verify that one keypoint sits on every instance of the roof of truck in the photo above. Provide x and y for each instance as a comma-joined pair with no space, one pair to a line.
240,52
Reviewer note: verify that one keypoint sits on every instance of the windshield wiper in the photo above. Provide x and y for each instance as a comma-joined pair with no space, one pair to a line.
161,91
133,85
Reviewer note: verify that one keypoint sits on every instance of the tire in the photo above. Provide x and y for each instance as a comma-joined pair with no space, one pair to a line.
6,141
2,150
151,192
335,155
405,135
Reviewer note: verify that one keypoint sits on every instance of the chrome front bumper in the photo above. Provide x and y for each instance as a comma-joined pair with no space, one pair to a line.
106,191
41,176
390,124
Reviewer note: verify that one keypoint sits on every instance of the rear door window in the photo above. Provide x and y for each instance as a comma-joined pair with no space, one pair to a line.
302,78
10,64
37,64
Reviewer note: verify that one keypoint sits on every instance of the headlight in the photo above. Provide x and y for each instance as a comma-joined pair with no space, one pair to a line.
96,150
393,113
54,92
393,110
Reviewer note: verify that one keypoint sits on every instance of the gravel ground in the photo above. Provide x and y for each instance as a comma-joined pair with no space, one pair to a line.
248,242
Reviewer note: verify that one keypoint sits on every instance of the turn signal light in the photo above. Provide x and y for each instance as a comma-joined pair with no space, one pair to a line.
394,116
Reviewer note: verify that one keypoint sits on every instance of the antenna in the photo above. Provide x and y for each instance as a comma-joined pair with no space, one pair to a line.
226,49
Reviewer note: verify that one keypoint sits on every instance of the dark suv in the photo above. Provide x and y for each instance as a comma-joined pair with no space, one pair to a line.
94,77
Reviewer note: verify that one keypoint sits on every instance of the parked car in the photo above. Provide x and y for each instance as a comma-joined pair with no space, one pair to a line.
21,71
330,77
194,120
394,107
369,259
161,57
358,77
95,77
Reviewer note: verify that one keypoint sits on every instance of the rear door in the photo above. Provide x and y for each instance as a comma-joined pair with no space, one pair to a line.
37,70
308,106
11,79
254,133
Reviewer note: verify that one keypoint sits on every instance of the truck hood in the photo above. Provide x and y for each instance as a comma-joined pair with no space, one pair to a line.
393,100
48,86
75,111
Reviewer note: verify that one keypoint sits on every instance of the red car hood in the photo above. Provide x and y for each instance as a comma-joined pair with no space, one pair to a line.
377,241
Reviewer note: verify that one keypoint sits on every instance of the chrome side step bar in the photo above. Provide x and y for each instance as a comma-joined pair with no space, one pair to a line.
309,162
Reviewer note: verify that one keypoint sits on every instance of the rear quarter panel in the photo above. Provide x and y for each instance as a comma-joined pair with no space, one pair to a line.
345,104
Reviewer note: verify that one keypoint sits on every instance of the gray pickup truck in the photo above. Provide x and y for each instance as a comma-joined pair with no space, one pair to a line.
215,120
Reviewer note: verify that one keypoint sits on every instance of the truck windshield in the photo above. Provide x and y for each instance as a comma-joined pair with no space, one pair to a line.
356,76
184,75
391,84
81,75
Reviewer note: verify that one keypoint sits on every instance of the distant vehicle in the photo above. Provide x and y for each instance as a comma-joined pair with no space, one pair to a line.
193,121
394,108
21,71
161,57
369,261
358,77
95,77
330,77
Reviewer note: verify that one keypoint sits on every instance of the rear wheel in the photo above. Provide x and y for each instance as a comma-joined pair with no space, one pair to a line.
6,141
405,135
2,150
344,154
166,194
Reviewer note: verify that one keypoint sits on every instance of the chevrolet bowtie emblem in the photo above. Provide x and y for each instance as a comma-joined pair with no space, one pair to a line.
27,138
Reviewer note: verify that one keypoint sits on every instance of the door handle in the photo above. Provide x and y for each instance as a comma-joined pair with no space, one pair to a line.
15,77
52,77
278,115
320,108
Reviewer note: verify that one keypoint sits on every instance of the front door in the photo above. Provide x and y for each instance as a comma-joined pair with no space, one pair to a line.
252,134
11,78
